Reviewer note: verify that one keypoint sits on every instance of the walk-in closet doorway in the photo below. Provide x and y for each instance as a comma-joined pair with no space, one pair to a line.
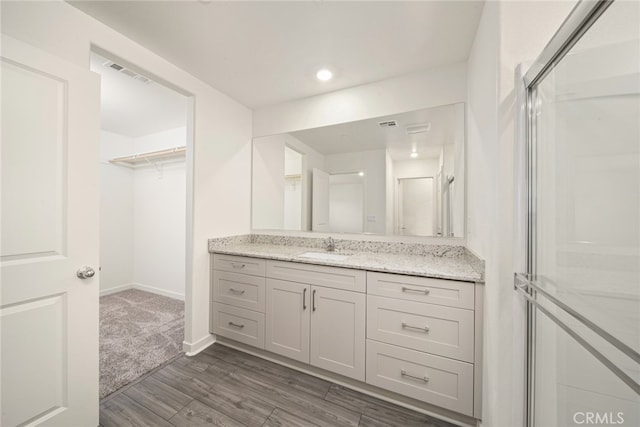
143,221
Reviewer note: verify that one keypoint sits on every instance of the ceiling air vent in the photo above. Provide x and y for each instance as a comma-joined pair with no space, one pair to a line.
128,72
388,124
418,128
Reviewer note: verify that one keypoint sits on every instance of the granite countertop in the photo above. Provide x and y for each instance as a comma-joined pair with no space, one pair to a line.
437,261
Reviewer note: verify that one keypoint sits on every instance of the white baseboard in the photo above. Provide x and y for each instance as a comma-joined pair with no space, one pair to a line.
170,294
120,288
141,287
191,349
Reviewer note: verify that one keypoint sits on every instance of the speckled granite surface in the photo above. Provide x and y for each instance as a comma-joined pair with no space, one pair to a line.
438,261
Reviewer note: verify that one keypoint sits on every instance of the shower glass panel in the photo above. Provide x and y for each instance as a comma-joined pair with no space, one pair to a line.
585,124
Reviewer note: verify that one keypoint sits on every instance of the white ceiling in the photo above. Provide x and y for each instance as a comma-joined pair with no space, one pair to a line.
262,53
366,135
132,108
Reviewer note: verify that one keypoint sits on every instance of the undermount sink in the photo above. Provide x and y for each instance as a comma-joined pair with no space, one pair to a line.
324,255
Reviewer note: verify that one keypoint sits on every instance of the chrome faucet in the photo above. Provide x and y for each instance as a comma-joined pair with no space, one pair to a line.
330,244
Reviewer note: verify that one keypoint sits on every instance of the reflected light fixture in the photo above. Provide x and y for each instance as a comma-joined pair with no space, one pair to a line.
324,75
360,173
414,154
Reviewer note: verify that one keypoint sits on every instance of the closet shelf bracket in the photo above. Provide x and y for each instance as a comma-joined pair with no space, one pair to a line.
152,157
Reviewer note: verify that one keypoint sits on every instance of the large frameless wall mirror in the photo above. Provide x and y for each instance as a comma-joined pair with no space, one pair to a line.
583,283
401,174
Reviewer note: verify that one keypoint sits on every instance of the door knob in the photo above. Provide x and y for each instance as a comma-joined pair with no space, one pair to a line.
85,272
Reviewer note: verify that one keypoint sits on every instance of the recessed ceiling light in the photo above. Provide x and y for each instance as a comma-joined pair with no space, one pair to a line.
324,75
414,155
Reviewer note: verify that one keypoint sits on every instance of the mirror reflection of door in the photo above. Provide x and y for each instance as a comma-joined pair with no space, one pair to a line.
292,189
320,201
416,206
346,202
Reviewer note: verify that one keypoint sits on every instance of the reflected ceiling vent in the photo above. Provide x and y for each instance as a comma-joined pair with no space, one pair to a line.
128,72
418,128
388,124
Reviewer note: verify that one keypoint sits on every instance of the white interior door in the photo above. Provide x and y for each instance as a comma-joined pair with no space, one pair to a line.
416,206
49,226
320,201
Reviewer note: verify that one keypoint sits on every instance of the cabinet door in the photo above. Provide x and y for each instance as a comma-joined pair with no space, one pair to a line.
338,331
288,319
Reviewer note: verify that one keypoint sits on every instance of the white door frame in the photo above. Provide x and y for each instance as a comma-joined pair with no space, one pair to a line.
189,162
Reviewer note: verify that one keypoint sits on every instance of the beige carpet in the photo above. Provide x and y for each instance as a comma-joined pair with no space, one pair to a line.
138,332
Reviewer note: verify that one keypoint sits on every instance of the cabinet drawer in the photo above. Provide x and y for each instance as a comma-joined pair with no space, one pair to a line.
331,277
424,289
242,325
433,379
239,264
239,290
431,328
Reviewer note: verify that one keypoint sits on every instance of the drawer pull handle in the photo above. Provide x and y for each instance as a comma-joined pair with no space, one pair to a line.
424,378
420,328
238,266
421,291
236,291
313,300
236,325
304,299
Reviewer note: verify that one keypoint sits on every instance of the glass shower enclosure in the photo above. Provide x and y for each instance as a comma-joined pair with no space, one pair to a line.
582,283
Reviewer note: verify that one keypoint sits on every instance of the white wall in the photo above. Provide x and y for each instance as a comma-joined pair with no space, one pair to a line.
116,213
143,214
373,164
415,168
292,189
509,33
389,193
459,171
159,217
268,183
268,180
221,137
439,86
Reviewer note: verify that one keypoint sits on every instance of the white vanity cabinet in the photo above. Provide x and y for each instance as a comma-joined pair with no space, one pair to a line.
415,336
338,331
309,313
288,320
319,325
422,339
238,299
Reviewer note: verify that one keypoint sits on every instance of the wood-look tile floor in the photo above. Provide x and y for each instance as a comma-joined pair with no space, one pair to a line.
225,387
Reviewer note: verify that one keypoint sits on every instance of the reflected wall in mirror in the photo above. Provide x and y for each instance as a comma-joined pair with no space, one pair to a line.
401,174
